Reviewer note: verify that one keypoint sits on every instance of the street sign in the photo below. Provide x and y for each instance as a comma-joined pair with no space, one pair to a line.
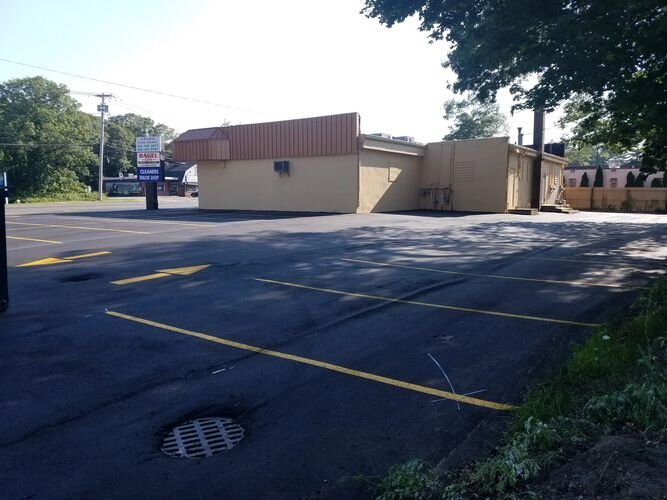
149,144
150,173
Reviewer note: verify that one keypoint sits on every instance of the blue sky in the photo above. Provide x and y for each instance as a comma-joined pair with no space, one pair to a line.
264,59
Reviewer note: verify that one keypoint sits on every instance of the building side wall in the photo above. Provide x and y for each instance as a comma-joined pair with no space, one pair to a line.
314,184
552,180
519,178
466,176
388,181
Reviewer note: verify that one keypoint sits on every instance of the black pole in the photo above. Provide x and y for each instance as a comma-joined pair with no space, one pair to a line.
151,195
4,285
538,145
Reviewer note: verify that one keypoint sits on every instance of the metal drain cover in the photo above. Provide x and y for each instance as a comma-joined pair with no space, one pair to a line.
202,438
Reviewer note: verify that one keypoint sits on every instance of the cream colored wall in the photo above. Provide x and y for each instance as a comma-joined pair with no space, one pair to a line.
314,184
552,179
519,177
388,181
436,182
467,176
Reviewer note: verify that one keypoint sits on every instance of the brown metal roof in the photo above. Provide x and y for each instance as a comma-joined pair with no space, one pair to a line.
319,136
202,134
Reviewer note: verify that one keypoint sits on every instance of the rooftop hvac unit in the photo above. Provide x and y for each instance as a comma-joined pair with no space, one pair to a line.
281,166
382,134
405,138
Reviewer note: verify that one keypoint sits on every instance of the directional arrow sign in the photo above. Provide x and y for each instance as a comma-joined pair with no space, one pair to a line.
162,273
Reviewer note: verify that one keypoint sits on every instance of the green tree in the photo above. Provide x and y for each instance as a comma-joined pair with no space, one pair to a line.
41,114
584,181
656,182
473,119
137,125
610,55
630,180
640,180
119,146
598,182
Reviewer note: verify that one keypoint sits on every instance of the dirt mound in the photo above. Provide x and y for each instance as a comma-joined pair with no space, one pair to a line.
617,467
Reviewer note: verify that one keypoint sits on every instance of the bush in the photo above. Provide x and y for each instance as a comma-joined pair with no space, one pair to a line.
584,180
657,183
639,407
413,480
599,177
630,180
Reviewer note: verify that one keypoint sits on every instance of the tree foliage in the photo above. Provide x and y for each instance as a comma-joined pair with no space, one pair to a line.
41,113
121,159
630,180
584,181
52,139
609,54
657,183
599,177
473,119
577,153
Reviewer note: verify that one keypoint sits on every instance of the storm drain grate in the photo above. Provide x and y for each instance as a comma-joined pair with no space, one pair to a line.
203,437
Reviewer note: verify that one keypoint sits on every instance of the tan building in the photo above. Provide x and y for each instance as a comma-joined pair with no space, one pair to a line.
325,164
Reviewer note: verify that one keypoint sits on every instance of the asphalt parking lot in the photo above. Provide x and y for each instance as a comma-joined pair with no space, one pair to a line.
324,336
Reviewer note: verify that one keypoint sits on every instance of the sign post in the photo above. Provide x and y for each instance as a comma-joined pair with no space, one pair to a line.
4,285
149,167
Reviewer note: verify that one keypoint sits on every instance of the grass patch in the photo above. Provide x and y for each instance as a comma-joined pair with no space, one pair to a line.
614,382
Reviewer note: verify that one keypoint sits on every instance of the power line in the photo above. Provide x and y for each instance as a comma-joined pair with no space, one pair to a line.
133,87
135,108
50,145
40,145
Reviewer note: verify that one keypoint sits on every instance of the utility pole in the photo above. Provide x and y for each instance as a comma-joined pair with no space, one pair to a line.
102,108
538,145
4,285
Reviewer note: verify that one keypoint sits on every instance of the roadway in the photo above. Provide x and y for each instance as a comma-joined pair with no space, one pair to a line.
317,333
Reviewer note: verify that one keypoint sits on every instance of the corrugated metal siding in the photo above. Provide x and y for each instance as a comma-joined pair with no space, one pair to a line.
211,149
321,136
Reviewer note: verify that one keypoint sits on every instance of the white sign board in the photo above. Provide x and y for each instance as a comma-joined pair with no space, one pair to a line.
190,175
148,159
149,144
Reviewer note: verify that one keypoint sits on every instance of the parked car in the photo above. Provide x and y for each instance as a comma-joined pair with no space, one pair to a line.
194,194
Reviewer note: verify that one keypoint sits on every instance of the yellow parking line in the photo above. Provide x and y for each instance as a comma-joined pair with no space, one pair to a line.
33,239
150,221
320,364
85,255
607,259
495,276
427,304
79,227
137,279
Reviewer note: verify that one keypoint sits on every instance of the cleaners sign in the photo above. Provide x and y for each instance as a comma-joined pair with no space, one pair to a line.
148,159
